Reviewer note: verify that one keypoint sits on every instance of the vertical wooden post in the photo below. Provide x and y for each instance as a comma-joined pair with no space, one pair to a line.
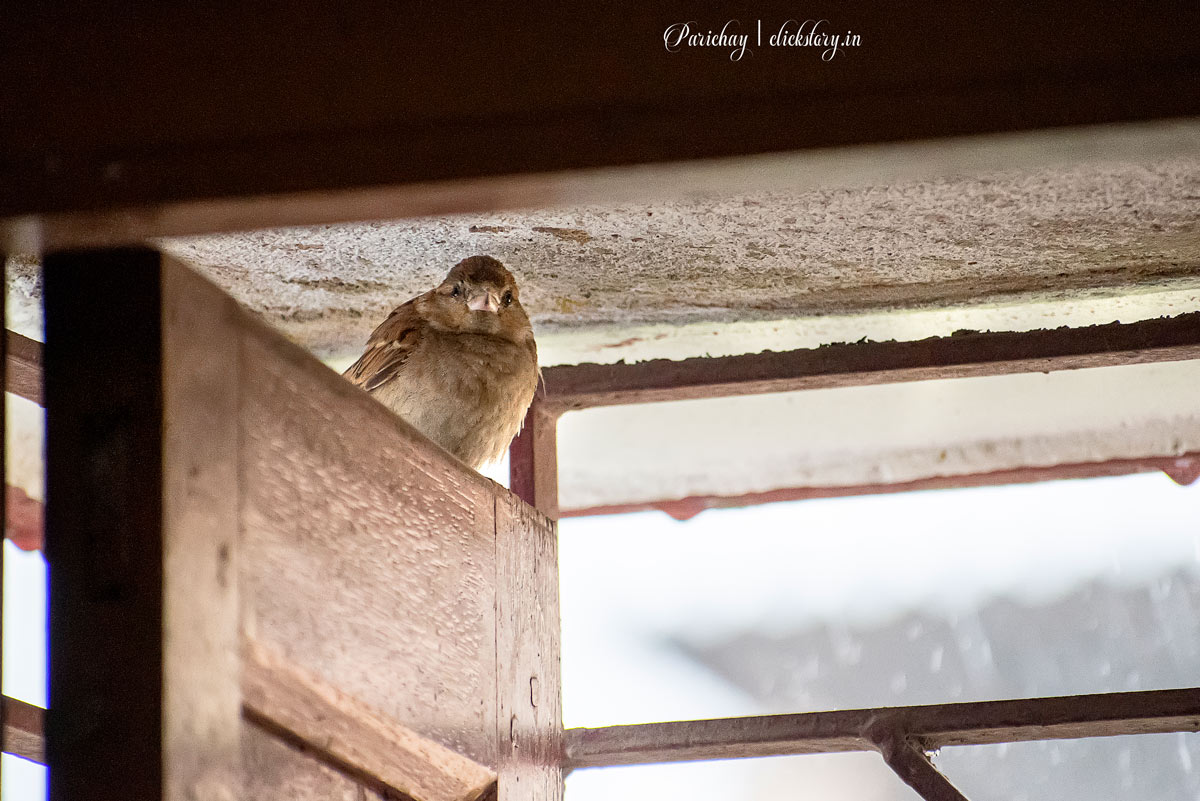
141,522
528,680
533,460
202,700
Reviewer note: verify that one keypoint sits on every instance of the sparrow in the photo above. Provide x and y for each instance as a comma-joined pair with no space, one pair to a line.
458,363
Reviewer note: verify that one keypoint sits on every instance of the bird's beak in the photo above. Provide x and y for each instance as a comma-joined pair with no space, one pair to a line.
484,301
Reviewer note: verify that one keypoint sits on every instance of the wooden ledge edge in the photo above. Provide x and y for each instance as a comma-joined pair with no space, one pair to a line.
24,725
24,361
345,733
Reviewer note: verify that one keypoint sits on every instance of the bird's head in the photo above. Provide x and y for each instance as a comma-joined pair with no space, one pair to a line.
479,296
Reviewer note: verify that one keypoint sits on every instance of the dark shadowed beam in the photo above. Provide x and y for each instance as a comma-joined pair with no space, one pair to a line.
104,547
980,723
1183,470
309,97
961,355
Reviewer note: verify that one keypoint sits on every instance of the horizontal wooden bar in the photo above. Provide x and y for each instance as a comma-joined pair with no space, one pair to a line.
963,354
24,367
1183,469
978,723
345,733
24,730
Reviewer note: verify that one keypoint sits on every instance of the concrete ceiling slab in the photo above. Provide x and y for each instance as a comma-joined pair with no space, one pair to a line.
592,275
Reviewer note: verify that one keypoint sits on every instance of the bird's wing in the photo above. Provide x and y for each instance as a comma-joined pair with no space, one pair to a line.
388,348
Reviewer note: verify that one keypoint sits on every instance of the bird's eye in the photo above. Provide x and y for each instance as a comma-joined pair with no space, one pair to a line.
508,298
454,293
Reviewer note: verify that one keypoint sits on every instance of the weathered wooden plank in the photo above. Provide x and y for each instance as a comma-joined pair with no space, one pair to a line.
23,366
533,461
24,727
141,545
529,708
961,355
934,726
285,110
368,554
201,610
278,770
345,733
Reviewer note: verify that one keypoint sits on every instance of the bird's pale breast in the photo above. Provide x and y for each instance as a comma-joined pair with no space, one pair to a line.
466,392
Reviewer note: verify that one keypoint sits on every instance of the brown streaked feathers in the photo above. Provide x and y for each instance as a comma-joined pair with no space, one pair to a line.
458,362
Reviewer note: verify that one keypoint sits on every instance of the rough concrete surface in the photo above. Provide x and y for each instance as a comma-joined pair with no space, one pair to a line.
1055,234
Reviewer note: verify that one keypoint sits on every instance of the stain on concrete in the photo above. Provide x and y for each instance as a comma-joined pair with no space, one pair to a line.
569,234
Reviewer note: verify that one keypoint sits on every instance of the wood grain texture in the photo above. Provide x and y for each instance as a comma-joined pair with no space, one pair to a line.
528,679
24,730
368,554
347,734
23,366
533,460
934,726
277,770
964,354
201,612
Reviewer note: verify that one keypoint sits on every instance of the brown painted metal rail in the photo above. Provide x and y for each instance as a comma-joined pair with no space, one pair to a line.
963,354
902,735
934,726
